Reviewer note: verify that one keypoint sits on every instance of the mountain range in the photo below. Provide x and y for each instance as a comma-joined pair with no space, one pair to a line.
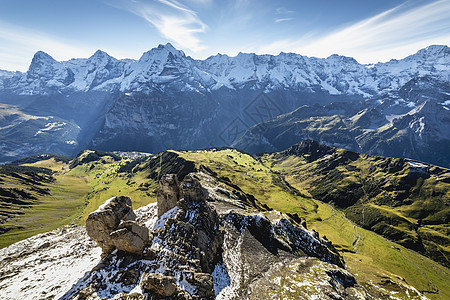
167,100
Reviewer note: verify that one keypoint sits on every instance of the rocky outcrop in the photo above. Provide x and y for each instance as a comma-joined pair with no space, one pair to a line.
194,235
130,237
159,284
186,245
168,194
202,247
112,226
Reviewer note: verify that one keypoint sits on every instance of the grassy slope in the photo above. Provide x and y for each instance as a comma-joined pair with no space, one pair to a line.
381,194
253,178
60,207
81,186
73,195
105,182
367,254
376,259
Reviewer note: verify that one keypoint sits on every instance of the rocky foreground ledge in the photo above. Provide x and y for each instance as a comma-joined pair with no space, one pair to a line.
200,242
201,248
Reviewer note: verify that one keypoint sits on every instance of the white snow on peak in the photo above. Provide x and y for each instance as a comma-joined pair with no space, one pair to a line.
162,65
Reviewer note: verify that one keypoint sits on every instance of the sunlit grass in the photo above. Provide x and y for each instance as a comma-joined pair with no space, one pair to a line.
49,212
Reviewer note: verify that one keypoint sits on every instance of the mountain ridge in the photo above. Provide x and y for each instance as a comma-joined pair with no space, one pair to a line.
420,132
256,67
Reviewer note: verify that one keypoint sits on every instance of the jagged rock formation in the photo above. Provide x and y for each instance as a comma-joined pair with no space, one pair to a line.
112,226
204,247
168,193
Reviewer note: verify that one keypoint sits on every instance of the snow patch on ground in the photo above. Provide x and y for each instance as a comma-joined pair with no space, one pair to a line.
417,165
390,118
221,278
47,265
147,215
50,265
167,215
51,126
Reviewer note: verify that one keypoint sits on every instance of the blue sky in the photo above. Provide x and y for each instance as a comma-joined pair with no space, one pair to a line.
370,31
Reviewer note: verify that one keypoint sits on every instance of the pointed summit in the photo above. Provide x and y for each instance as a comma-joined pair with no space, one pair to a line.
169,47
162,52
41,60
41,56
100,53
44,69
100,58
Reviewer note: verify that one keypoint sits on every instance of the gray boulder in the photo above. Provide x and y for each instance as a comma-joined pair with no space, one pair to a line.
130,237
112,226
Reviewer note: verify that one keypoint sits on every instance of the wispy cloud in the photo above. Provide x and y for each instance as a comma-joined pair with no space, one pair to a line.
18,44
240,4
201,1
283,11
279,20
283,15
394,33
174,20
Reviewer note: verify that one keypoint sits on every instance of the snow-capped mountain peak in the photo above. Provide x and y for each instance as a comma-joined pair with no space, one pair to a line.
44,75
435,51
169,47
335,75
162,52
41,63
100,56
41,56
